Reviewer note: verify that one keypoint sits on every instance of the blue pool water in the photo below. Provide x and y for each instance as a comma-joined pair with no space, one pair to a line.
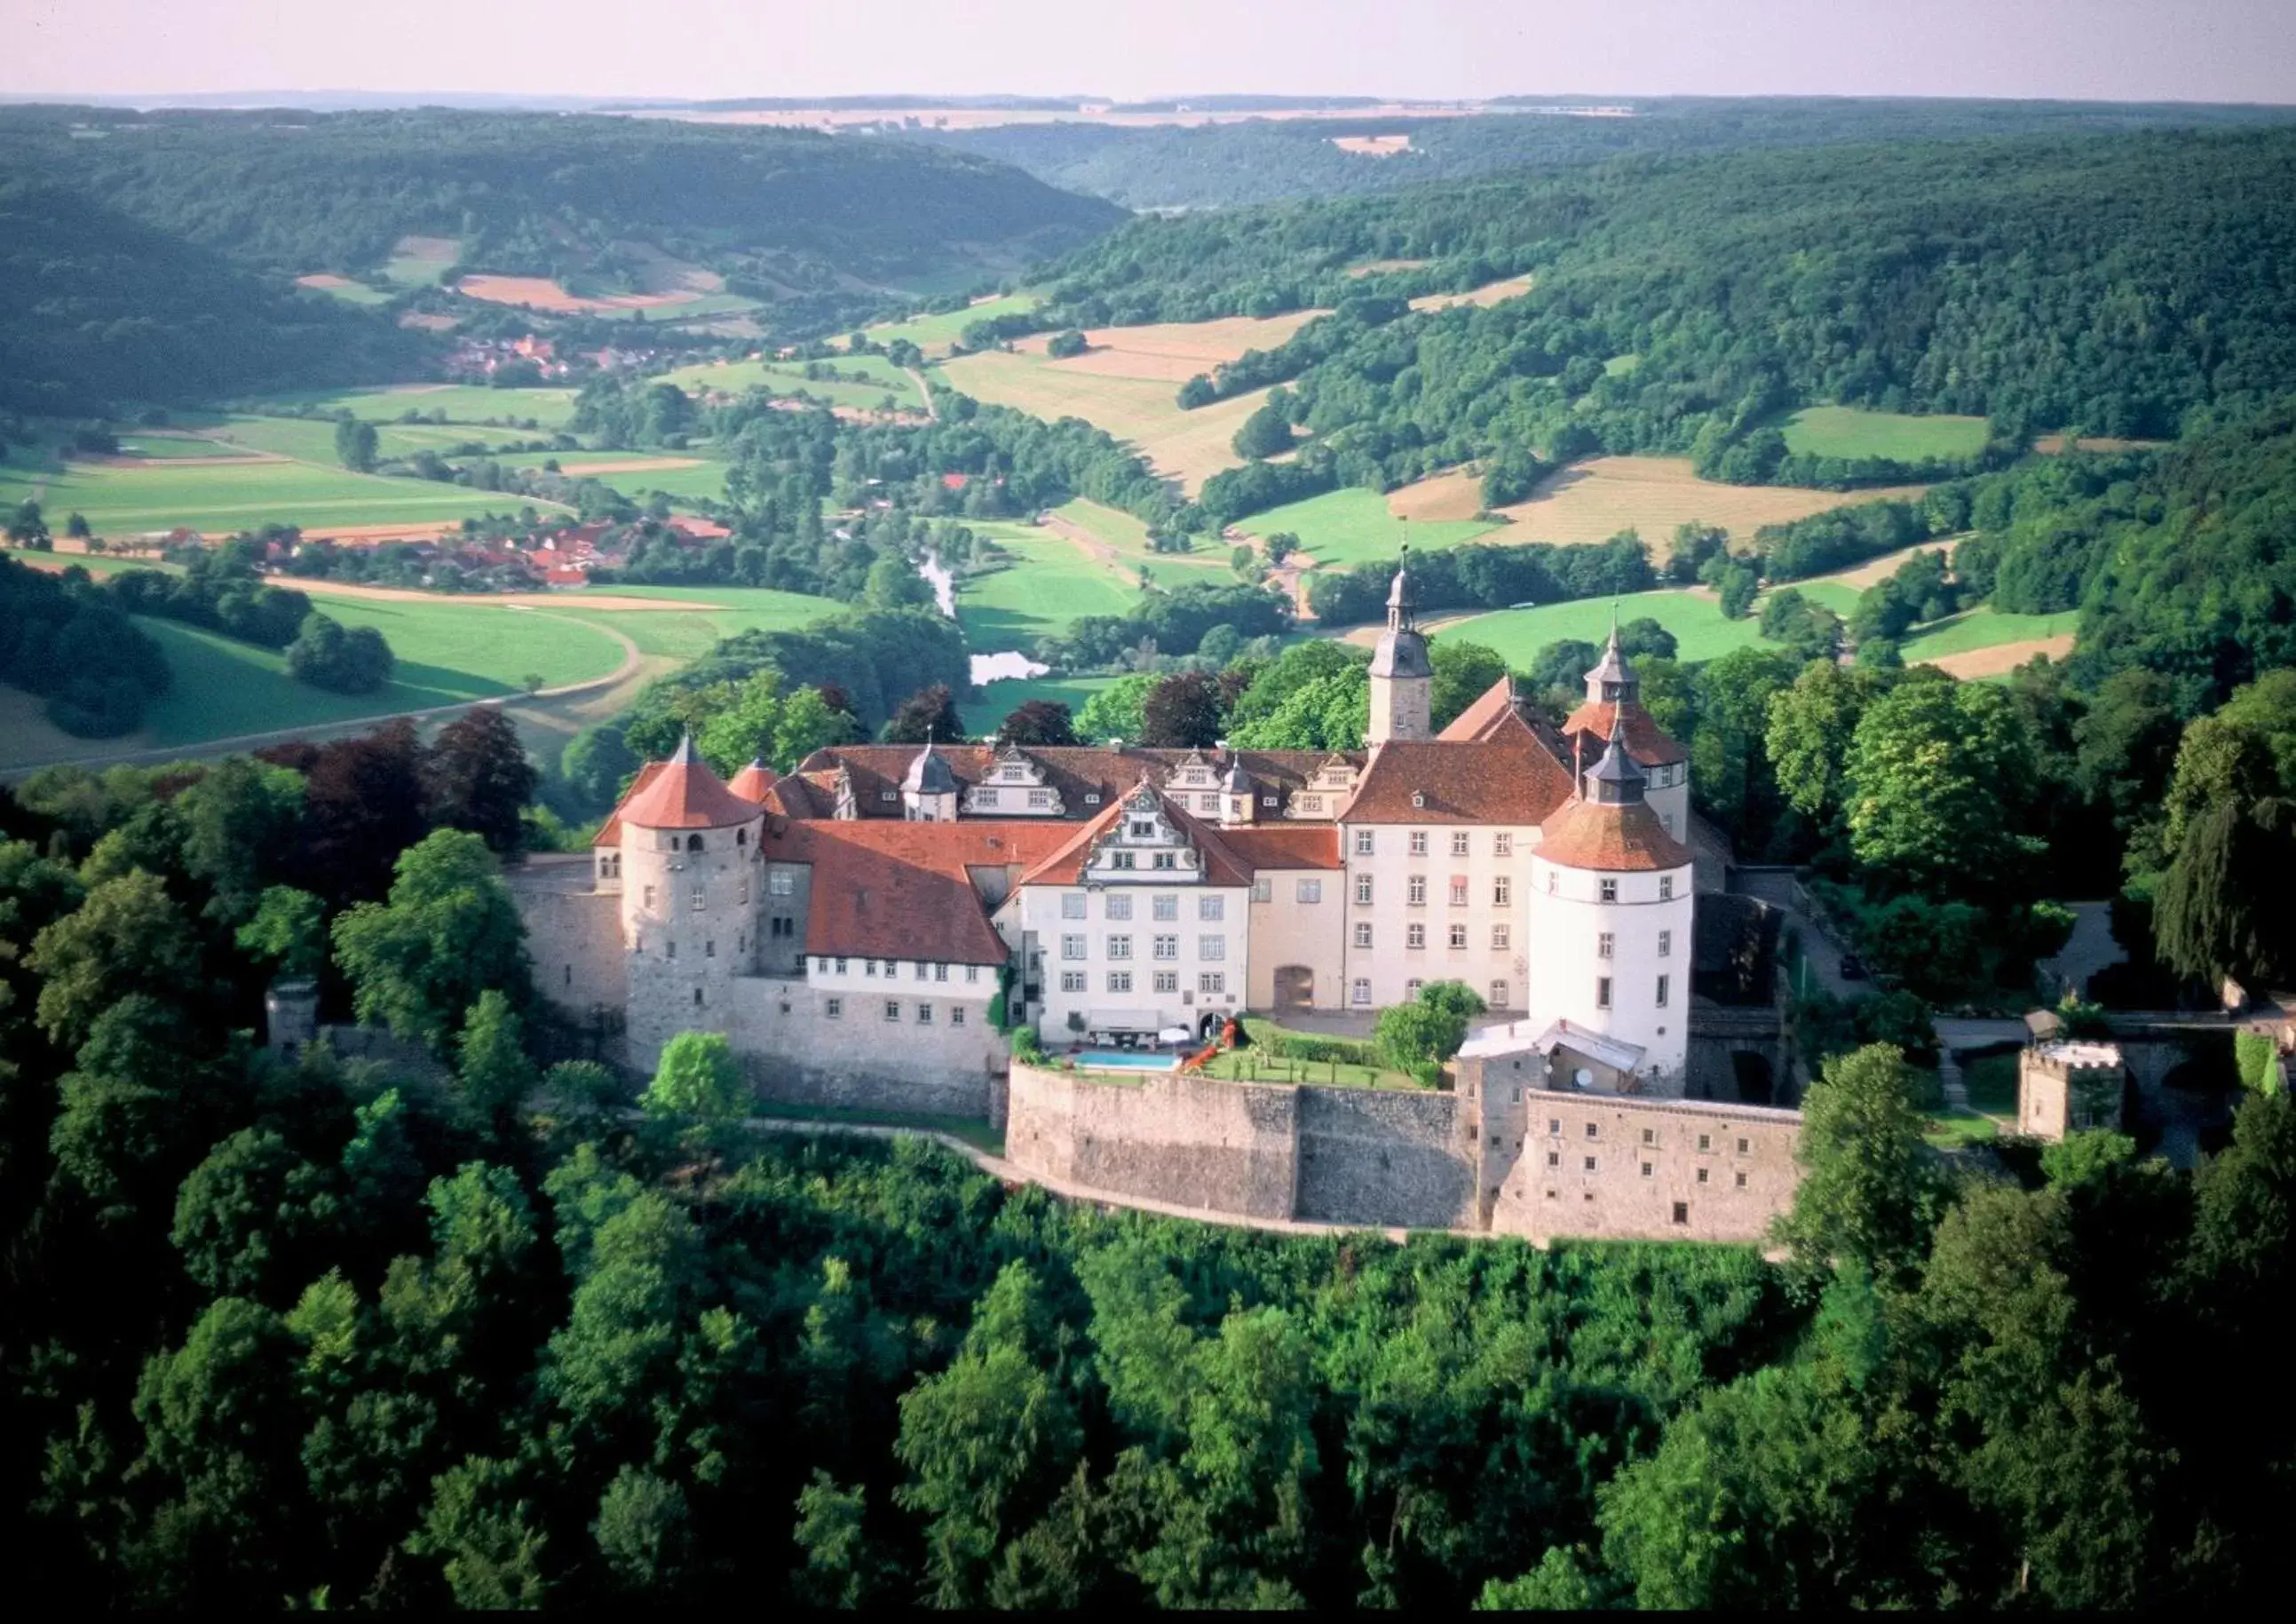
1127,1059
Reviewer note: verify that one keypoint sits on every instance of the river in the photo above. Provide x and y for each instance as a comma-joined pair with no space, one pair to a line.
1008,665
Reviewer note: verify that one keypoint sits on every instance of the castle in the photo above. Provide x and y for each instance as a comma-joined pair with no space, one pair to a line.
864,927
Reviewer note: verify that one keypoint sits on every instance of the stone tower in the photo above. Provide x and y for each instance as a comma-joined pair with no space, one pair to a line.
691,875
1402,677
1609,930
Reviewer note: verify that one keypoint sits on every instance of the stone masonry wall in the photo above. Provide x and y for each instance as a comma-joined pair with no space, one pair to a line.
1388,1158
796,1055
1225,1147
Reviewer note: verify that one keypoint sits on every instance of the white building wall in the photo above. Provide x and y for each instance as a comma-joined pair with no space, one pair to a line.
1389,966
1648,928
1668,792
1302,929
1107,960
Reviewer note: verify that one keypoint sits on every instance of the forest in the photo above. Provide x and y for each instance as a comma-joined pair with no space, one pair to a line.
394,1342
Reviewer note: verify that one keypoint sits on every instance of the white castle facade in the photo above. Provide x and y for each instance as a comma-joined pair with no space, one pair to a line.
884,912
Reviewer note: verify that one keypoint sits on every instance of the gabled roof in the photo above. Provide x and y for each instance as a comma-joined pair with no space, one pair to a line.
610,833
752,781
1611,839
1504,781
1286,845
903,890
1644,739
684,794
1074,771
1065,866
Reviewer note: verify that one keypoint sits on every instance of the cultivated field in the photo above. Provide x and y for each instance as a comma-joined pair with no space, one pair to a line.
934,334
343,287
224,495
421,262
1373,146
1490,293
1121,542
1981,643
462,403
1049,583
1593,500
1342,528
1849,431
1189,447
541,294
1171,352
312,439
787,378
1376,267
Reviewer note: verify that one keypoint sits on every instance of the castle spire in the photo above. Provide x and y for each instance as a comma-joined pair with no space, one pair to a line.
1400,600
1611,680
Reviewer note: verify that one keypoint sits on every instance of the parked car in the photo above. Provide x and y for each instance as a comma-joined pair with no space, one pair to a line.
1853,968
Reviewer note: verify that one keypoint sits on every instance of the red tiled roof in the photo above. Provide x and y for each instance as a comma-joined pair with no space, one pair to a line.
1074,770
1614,839
1645,739
1286,845
685,794
610,834
752,781
1492,707
905,890
1505,781
1065,864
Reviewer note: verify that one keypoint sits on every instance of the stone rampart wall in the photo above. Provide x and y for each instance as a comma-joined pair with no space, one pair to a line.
795,1054
1390,1159
1223,1147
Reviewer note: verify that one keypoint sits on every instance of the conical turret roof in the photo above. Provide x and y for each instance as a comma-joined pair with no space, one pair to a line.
685,794
752,781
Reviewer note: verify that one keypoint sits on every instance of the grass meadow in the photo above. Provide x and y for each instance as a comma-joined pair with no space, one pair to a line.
463,403
215,496
1044,583
934,334
999,699
1189,447
1835,431
1342,528
716,613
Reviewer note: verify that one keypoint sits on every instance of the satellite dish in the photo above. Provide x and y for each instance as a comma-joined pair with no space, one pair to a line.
1583,1078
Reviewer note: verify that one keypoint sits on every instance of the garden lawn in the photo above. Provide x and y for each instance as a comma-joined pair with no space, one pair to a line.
1044,584
1342,528
1851,431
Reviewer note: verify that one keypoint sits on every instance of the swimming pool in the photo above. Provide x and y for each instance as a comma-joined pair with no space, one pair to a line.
1126,1060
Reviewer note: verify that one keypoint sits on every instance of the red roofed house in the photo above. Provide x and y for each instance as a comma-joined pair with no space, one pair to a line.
869,911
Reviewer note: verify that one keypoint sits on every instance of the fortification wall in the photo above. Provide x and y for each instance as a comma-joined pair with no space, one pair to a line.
796,1054
1225,1147
1390,1159
575,939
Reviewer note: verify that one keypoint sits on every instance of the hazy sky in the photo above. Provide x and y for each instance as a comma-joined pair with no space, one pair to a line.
2182,50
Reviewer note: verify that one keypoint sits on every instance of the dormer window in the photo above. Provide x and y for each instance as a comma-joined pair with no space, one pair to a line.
1418,798
885,795
1142,831
1091,798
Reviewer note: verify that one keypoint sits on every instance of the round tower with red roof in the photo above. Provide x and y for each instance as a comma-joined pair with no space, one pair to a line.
691,875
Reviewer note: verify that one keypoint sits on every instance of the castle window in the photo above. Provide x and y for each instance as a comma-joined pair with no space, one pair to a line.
921,970
1267,800
1167,906
1502,891
697,997
743,895
1072,980
892,1009
1359,994
885,795
1308,890
1701,1175
1605,945
840,966
1072,946
1411,988
1212,980
1666,888
741,837
1609,890
1071,905
1415,936
1363,933
1458,937
1499,997
697,900
1311,803
940,973
1661,992
1647,1168
1118,905
1166,947
984,798
1363,890
1119,981
1263,888
1458,890
1593,1130
1418,798
1742,1147
670,949
1418,840
1650,1135
1210,908
1601,992
709,949
1162,859
1705,1142
1092,799
1416,890
1503,845
1363,842
1590,1164
1208,803
1141,829
693,842
1555,1159
1040,798
1212,949
781,882
1502,938
1119,947
972,972
1554,1125
1682,1212
1553,884
1458,843
649,896
869,968
570,975
1122,859
1666,944
924,1014
957,1015
1167,981
1742,1181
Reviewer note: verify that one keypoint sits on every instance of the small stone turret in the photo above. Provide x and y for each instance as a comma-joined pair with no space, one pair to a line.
1402,674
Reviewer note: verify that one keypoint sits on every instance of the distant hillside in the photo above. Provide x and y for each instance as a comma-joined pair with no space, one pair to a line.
1167,166
819,228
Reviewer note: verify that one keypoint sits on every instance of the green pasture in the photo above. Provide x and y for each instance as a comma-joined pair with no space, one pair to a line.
939,332
704,478
223,688
208,495
1342,528
1122,534
999,699
1849,431
1043,585
721,613
1985,627
1621,367
419,270
463,403
312,439
1695,619
1836,596
173,447
356,293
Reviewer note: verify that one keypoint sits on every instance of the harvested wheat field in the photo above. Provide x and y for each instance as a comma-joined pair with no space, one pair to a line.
1490,293
1445,497
1378,268
2053,445
1593,500
1373,146
325,280
2002,658
574,465
1171,352
541,294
